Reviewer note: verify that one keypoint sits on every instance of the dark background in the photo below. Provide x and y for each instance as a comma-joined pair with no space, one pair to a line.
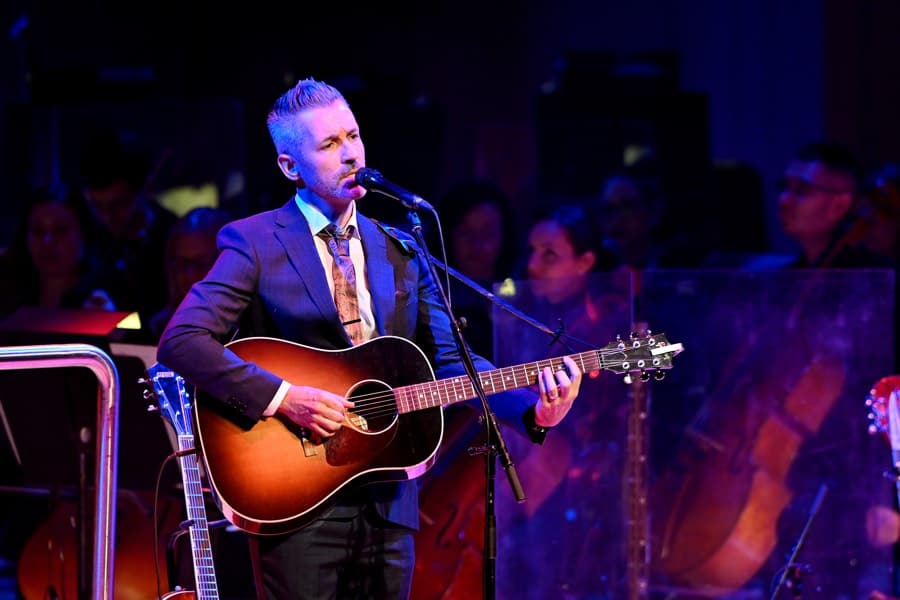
542,96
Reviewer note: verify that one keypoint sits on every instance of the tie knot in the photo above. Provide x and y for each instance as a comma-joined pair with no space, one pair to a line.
339,233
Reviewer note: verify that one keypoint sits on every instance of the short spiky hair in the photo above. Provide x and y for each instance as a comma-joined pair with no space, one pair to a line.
307,93
834,156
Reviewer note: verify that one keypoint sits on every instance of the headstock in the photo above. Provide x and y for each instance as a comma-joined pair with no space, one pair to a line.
640,353
173,400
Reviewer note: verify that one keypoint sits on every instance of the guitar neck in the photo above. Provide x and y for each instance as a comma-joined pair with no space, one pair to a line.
459,389
201,548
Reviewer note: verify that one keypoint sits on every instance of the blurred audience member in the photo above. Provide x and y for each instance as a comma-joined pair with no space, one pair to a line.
563,530
629,214
131,228
480,227
880,213
818,206
563,249
190,252
49,262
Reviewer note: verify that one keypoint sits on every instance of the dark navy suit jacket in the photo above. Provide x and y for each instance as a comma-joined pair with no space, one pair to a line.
269,281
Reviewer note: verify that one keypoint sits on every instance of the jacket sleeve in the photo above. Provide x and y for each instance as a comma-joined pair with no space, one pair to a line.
193,342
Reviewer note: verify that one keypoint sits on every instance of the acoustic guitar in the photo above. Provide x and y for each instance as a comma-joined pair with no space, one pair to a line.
175,404
275,477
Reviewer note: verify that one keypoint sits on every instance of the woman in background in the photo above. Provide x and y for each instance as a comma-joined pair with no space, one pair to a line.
49,262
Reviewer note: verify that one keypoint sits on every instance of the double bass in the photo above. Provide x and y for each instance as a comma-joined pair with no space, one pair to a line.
718,507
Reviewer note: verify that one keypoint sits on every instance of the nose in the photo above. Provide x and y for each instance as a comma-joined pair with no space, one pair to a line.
351,153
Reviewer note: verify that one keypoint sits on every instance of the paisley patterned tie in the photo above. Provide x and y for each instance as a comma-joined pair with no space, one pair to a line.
344,275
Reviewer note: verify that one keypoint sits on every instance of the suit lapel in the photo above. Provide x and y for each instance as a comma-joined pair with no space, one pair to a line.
293,232
379,272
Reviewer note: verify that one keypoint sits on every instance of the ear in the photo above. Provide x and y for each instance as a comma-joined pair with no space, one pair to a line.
288,166
586,261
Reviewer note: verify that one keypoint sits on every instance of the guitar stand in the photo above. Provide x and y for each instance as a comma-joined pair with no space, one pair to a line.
172,546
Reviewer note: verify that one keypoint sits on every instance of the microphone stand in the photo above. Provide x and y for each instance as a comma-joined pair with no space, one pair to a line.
494,445
555,334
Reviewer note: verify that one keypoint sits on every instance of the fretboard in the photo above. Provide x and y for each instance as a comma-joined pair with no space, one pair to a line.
201,549
459,389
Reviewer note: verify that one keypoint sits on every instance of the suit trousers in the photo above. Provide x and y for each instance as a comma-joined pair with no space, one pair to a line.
340,558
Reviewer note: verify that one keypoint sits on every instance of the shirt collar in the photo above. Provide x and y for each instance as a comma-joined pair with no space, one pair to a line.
318,221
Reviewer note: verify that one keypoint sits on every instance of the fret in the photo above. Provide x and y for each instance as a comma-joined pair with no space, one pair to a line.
437,399
488,382
433,397
424,395
407,398
456,388
468,390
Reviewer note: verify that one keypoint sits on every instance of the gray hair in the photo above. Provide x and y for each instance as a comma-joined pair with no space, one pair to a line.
307,93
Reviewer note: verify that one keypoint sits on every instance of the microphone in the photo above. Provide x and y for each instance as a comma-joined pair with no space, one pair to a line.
373,181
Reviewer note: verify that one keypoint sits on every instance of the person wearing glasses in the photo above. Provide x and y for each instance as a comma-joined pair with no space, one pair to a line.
818,208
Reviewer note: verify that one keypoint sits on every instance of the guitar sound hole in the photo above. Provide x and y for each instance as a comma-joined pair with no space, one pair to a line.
375,407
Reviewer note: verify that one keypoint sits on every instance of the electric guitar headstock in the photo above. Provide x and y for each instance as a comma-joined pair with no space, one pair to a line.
884,410
172,397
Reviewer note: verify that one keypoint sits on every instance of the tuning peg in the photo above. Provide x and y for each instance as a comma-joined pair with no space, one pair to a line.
659,375
628,379
152,408
645,376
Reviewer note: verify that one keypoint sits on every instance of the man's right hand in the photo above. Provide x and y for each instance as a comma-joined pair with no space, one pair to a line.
319,411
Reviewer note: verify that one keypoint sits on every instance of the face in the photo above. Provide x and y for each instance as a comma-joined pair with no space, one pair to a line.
813,200
55,240
114,206
476,242
329,154
624,219
192,256
555,271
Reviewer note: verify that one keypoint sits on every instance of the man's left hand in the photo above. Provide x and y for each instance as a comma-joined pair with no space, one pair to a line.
557,390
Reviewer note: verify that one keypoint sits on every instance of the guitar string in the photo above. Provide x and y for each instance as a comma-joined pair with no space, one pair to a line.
385,402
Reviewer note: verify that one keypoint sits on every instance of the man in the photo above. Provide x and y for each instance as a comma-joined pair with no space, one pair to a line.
817,205
274,277
130,227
